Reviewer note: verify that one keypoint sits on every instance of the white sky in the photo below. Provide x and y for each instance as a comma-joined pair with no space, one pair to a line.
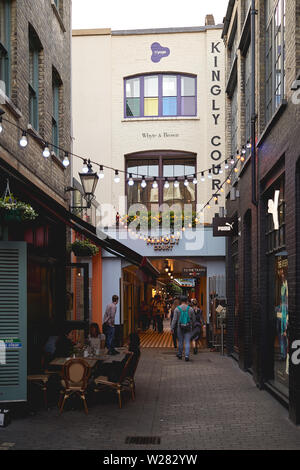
141,14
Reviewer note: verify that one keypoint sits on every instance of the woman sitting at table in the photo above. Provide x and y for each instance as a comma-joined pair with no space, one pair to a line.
114,369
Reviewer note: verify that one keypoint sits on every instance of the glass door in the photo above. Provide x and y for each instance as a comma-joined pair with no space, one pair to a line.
77,297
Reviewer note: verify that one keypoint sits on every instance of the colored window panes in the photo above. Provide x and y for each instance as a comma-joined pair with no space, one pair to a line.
151,86
133,88
151,107
170,106
188,106
169,85
133,107
188,86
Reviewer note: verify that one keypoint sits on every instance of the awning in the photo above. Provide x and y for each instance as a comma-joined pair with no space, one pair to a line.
60,213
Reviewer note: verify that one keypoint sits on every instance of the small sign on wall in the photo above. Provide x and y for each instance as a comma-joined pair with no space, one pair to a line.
158,52
225,227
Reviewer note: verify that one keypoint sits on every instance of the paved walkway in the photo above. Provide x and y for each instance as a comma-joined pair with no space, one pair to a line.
207,403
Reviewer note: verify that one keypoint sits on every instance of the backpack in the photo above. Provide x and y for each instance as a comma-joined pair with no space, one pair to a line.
184,320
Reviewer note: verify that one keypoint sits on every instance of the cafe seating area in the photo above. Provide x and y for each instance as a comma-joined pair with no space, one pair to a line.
78,377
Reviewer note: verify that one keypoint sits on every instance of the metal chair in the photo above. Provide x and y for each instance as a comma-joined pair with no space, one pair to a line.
76,373
123,383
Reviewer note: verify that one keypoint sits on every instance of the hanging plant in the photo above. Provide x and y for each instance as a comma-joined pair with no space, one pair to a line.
12,210
84,248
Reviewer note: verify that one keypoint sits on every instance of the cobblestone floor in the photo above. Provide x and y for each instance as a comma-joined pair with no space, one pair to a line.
207,403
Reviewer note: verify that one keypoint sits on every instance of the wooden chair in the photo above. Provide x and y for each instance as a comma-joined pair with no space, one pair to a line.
123,383
41,380
76,373
132,369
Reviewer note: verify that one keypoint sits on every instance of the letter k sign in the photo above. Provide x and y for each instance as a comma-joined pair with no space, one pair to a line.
273,209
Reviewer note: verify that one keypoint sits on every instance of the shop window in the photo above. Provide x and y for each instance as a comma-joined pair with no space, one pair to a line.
161,167
5,57
160,95
278,288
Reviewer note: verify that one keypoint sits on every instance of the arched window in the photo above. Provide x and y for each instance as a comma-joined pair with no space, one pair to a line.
160,95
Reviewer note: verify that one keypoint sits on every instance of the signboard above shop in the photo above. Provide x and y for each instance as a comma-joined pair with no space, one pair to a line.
225,227
194,272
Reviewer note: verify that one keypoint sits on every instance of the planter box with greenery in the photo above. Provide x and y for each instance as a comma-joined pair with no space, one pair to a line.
84,248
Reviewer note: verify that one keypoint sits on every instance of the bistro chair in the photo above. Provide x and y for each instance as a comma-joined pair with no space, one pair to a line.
123,384
131,373
76,373
41,380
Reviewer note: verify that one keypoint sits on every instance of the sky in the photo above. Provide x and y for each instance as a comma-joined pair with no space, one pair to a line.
139,14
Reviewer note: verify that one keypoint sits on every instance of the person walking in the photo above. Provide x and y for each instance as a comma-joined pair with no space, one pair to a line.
109,325
174,305
197,331
183,320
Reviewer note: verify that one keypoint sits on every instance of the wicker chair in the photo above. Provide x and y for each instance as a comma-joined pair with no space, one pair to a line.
124,382
132,370
76,373
41,380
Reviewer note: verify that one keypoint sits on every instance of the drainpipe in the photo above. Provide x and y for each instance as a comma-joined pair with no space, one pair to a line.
253,107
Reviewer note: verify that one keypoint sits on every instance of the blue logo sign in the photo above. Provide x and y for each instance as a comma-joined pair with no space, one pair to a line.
158,52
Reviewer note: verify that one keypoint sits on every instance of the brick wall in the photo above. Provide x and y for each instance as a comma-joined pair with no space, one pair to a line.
54,35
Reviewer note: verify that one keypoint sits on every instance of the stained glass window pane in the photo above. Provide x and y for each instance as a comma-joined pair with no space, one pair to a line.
133,107
188,106
151,107
170,106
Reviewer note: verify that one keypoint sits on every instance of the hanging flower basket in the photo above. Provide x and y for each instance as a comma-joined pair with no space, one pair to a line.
12,210
84,248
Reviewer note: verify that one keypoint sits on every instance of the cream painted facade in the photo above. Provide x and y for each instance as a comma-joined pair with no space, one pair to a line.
102,59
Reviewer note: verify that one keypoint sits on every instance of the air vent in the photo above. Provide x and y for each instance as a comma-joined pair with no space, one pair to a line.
147,441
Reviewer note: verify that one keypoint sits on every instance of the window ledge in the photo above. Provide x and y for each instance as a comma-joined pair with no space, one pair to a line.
279,111
8,102
35,134
57,161
57,14
159,118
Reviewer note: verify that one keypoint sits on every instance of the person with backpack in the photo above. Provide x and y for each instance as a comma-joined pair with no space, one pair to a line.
183,320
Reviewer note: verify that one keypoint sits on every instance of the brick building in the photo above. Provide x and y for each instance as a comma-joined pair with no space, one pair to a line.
262,262
35,97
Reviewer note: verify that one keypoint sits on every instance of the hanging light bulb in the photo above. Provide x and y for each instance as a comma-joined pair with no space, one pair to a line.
209,175
186,182
101,173
46,151
231,160
66,161
228,181
226,165
195,180
154,185
85,167
130,181
248,144
166,185
1,127
143,183
202,177
176,183
242,159
238,155
23,140
220,171
236,170
244,150
117,177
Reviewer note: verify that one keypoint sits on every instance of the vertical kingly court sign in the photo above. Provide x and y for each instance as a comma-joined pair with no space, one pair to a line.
216,156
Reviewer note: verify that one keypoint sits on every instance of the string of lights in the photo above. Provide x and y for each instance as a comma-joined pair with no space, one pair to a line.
87,162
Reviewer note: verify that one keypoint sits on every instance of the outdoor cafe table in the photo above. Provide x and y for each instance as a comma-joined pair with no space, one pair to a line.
91,360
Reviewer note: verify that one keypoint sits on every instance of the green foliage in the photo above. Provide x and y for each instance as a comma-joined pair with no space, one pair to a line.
84,248
13,210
